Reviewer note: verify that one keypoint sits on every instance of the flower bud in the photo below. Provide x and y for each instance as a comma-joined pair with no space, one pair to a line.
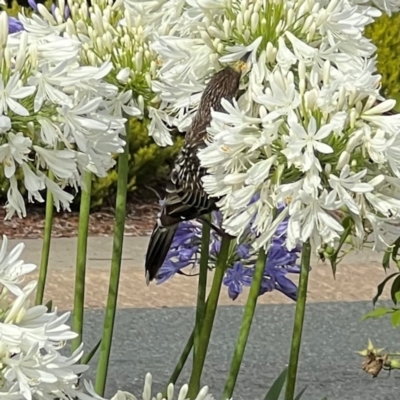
270,54
139,61
307,24
257,6
279,28
70,27
246,17
123,75
311,32
3,29
239,23
227,28
310,99
255,18
353,117
290,17
344,159
206,39
7,57
31,127
342,98
328,168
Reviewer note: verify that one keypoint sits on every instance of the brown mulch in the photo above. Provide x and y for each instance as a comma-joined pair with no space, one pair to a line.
139,222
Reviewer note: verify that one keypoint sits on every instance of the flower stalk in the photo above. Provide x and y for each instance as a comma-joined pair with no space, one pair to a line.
208,321
202,285
246,325
119,227
44,261
298,322
80,274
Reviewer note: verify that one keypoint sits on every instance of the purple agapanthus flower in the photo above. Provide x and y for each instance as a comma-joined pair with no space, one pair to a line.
185,252
14,25
237,277
67,11
33,5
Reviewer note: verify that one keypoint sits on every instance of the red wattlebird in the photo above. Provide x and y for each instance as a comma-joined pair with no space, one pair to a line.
185,197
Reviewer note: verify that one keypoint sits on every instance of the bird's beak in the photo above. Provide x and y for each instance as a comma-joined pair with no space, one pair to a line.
245,58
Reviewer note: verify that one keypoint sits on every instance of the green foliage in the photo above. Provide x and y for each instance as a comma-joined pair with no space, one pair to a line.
385,34
148,164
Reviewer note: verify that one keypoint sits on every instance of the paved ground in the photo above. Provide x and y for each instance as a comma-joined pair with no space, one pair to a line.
364,269
154,322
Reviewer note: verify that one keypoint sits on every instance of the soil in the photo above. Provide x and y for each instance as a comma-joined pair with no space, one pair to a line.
140,219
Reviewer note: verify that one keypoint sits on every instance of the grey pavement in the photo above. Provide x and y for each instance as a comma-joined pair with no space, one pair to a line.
150,340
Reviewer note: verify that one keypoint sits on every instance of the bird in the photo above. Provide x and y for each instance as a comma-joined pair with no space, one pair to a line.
185,198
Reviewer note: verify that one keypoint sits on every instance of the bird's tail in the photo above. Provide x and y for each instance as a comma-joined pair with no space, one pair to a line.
160,242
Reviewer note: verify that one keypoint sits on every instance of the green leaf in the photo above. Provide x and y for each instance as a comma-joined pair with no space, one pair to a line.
300,395
87,357
397,296
396,319
381,286
377,313
395,289
386,259
396,246
276,388
49,305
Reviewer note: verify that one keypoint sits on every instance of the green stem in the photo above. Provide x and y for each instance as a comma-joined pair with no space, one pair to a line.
202,285
119,227
194,383
79,296
298,322
246,325
44,261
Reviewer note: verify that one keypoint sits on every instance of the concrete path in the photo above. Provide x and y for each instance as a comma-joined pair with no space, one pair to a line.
356,279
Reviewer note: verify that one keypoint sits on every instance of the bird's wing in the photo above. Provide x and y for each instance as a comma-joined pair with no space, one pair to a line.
185,198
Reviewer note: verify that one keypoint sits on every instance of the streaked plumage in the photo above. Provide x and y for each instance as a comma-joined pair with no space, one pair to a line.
185,198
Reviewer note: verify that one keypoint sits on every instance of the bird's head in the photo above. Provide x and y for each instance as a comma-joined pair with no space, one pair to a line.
242,65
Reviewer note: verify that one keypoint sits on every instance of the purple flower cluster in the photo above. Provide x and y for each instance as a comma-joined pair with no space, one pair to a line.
185,252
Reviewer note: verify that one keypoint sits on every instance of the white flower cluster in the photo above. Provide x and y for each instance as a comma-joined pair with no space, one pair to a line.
310,128
53,115
115,32
147,392
31,339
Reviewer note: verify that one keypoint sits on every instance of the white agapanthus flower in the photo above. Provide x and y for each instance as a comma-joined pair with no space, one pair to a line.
310,128
53,114
118,33
31,338
147,393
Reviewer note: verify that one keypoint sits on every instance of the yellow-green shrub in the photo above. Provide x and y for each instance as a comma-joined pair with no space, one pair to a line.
148,164
385,33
